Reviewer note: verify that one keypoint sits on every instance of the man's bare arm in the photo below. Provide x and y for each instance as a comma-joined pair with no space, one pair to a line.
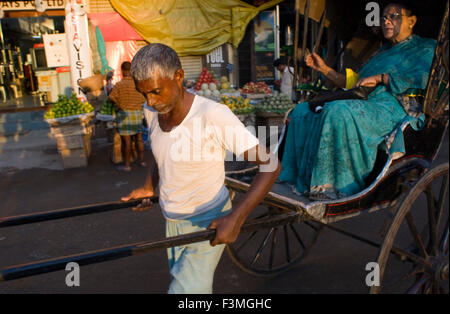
229,226
147,190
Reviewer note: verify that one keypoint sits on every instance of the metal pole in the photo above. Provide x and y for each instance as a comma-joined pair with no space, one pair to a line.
321,27
92,257
318,39
277,38
68,212
2,40
296,33
305,33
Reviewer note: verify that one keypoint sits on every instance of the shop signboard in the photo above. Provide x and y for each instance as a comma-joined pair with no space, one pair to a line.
76,25
56,50
30,5
217,62
265,45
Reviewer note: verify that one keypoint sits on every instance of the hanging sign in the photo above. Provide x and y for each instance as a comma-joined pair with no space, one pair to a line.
56,50
265,45
30,5
217,62
76,25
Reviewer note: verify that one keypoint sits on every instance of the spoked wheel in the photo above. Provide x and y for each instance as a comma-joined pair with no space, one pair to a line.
268,252
418,239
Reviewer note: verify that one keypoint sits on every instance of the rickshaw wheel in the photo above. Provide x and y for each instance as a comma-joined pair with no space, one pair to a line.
418,237
269,252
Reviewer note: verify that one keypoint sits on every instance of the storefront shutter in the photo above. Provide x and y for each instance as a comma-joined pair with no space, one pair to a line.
192,66
99,6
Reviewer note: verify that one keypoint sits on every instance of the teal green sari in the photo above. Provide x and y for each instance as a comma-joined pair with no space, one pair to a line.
331,153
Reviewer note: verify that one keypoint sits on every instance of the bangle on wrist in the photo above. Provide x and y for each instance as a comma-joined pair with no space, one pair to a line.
382,78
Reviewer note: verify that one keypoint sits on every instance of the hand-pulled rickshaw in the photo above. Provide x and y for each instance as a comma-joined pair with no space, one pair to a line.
280,235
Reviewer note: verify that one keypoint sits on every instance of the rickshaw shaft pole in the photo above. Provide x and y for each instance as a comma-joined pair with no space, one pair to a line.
55,264
65,213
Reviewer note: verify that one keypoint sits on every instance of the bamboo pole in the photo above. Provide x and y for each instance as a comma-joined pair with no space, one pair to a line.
433,83
296,33
305,34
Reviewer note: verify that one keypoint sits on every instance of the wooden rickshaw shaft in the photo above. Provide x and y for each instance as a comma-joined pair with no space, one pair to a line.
92,257
109,206
67,212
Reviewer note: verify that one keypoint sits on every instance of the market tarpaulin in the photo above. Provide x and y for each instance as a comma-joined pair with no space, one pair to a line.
191,27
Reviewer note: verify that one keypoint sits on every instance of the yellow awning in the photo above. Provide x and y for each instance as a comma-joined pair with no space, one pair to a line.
191,27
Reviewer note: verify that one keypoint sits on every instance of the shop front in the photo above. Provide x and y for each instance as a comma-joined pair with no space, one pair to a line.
26,79
35,65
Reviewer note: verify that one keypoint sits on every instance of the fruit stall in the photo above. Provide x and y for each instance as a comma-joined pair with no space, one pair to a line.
209,86
272,110
70,122
255,90
255,103
106,118
241,107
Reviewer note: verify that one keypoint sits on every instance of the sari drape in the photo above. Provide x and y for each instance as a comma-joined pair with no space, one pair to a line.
331,153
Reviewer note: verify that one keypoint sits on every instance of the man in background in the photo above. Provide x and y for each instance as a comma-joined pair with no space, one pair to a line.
287,77
129,117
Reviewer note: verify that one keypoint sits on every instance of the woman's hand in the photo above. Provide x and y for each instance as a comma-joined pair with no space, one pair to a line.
314,61
140,193
370,81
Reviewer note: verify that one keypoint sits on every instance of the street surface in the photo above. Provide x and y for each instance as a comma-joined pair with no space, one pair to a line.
336,264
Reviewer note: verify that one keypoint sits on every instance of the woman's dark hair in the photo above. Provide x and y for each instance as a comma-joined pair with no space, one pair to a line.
408,6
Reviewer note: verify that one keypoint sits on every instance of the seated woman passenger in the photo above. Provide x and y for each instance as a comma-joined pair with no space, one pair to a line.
329,154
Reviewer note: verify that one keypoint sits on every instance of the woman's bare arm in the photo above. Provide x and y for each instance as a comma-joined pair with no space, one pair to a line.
315,62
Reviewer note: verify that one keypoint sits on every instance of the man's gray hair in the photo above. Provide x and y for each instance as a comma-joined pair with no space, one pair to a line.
155,60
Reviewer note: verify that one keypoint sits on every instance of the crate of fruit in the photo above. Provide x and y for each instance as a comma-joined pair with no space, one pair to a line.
238,104
274,104
241,107
107,112
69,111
212,89
272,110
254,90
71,126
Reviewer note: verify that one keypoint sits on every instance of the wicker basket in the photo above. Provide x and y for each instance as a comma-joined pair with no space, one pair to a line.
93,84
